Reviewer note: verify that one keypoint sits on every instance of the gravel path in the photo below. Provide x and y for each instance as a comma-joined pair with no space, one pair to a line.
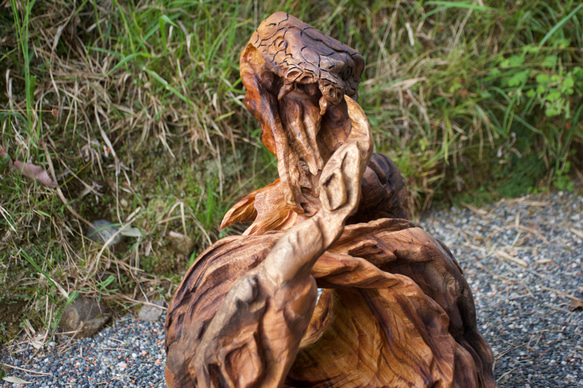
523,259
129,353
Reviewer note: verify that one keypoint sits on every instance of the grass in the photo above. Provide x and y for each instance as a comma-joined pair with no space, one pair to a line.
136,107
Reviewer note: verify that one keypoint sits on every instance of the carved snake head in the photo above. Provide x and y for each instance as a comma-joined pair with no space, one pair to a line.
299,53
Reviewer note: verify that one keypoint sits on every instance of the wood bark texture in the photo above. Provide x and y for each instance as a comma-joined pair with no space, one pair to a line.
395,310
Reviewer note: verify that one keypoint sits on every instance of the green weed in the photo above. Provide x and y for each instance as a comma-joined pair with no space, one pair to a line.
137,108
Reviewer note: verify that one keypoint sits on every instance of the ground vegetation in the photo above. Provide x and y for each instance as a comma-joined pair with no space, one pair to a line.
132,112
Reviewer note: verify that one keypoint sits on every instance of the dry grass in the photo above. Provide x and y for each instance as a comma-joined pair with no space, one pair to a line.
133,137
135,110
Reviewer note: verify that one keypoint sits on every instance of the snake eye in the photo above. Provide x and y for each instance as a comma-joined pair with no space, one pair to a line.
280,43
346,73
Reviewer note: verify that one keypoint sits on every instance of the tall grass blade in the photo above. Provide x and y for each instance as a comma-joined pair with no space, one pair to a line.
558,26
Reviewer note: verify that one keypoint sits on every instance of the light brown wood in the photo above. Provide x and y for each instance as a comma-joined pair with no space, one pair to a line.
396,310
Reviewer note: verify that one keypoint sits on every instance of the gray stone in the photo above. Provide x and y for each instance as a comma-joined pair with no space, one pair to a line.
151,312
180,243
84,317
101,230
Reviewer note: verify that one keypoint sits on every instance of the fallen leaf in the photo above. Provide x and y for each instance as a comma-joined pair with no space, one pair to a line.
29,170
577,304
15,380
130,231
35,172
